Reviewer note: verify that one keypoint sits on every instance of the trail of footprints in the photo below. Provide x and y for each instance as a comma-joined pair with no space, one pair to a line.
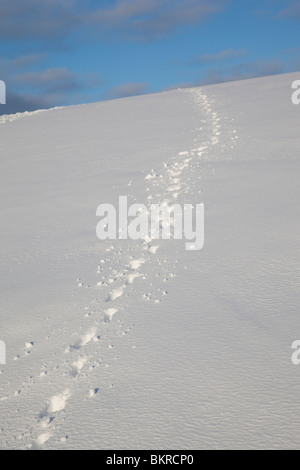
118,273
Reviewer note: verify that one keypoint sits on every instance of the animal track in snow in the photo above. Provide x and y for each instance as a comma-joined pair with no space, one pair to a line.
109,313
90,335
165,184
58,402
137,263
152,249
77,366
115,294
42,439
132,277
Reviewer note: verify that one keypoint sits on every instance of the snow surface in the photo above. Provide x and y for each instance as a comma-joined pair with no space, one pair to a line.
144,345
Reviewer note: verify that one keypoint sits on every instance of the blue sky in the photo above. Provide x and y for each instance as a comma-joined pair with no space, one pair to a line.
62,52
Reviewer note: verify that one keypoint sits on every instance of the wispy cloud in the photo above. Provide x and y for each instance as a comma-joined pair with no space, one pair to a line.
291,10
142,19
37,19
55,79
127,89
8,65
226,55
149,19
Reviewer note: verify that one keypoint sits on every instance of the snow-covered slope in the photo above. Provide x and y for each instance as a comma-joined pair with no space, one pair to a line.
135,345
